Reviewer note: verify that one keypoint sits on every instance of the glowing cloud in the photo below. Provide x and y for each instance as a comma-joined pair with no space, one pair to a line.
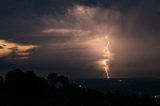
64,30
14,51
86,25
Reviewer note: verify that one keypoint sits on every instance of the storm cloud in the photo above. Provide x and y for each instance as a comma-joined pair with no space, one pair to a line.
69,35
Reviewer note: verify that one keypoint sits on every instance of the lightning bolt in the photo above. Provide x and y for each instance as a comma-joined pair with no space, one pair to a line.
107,58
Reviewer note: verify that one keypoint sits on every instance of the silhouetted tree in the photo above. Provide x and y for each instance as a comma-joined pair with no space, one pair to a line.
26,89
63,80
1,80
1,84
19,82
52,78
57,81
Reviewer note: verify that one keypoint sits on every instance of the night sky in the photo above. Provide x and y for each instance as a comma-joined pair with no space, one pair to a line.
81,38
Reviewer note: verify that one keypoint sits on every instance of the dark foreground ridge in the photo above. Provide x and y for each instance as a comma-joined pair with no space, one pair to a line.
20,88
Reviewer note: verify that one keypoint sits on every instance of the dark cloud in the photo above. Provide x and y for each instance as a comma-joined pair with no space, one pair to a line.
134,24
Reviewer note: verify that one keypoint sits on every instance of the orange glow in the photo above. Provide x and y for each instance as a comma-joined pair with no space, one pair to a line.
25,48
4,52
9,48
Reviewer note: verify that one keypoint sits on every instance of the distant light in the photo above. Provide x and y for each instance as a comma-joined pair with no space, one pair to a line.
156,96
119,80
80,86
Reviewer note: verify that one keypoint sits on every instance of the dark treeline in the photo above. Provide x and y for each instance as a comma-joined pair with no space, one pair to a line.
20,88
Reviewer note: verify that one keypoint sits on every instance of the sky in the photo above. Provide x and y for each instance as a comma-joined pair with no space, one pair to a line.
81,38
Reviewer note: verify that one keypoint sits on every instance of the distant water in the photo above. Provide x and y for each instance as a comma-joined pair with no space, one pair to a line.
124,85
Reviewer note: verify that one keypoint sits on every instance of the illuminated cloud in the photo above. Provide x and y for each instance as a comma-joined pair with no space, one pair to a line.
64,31
67,31
83,22
14,51
87,29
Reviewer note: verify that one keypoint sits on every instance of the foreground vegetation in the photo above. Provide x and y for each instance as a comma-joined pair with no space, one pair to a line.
20,88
